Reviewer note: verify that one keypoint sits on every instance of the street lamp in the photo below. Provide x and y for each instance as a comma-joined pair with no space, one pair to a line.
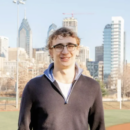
17,2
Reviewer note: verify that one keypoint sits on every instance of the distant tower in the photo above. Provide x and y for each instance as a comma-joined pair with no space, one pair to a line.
25,37
4,47
51,29
99,53
70,23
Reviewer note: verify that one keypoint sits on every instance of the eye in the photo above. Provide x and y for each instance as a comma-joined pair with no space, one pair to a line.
71,45
58,46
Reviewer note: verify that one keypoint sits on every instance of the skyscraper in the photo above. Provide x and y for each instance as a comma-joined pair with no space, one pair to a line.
99,53
70,23
4,47
114,49
51,29
25,37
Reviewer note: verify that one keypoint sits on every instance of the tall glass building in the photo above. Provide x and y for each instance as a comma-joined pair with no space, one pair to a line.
114,47
107,51
25,37
51,29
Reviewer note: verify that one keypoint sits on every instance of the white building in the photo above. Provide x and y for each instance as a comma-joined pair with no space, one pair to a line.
117,50
42,57
12,54
70,23
83,55
4,41
114,48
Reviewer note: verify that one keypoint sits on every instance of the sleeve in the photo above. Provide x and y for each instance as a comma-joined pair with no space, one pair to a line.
24,122
96,113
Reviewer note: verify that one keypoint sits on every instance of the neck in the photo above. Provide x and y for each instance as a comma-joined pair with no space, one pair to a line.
64,75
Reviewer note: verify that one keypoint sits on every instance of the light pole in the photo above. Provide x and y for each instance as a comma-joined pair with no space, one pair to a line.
17,93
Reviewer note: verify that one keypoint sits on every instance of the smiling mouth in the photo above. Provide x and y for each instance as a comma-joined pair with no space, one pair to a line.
65,59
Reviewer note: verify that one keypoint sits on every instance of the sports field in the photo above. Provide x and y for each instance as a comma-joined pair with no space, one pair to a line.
8,120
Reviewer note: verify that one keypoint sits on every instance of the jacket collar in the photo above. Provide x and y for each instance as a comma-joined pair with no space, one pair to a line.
49,72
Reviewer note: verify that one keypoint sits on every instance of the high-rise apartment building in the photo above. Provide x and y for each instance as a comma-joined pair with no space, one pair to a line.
70,23
25,37
4,41
99,53
113,39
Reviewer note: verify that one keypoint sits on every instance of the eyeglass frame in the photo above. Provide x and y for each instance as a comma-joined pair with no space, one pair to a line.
75,45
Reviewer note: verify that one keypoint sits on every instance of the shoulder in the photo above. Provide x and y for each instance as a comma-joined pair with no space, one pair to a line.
36,82
91,83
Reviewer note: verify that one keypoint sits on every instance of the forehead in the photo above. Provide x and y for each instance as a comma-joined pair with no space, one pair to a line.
64,40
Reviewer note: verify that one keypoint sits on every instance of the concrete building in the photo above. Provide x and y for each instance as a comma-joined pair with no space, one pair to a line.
114,48
99,53
83,55
70,23
4,42
42,57
25,37
2,60
12,54
92,66
100,70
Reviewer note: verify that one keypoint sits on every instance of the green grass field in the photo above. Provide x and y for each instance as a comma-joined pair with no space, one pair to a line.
8,120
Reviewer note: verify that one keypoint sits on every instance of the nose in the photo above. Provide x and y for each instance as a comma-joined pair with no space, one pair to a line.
65,50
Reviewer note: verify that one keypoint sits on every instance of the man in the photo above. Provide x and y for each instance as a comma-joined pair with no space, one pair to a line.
62,98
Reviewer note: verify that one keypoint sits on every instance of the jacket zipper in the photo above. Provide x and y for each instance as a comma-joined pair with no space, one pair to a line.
66,101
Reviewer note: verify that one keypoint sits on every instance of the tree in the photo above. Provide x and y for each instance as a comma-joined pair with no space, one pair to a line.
103,89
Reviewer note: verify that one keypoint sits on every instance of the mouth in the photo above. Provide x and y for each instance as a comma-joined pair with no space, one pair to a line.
64,59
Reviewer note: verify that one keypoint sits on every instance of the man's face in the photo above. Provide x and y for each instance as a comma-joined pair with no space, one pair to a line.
64,58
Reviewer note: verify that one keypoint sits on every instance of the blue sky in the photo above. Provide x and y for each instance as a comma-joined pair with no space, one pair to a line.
41,14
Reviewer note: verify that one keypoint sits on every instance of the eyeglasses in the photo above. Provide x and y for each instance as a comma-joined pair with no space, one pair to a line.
59,47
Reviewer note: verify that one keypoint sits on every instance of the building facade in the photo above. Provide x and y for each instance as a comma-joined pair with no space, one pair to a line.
107,51
83,55
42,57
100,70
51,29
114,48
99,53
12,54
92,66
25,37
4,42
70,23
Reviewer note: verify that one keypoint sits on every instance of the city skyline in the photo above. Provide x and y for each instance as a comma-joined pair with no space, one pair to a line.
91,16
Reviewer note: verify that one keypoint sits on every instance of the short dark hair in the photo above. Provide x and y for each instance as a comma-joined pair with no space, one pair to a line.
64,32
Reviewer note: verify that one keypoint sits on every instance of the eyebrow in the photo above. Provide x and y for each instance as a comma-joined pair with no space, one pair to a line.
66,44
